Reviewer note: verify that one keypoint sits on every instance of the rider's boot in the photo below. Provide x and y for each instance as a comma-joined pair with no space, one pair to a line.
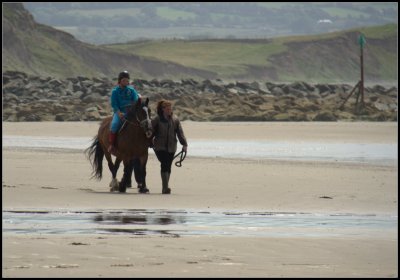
165,179
112,137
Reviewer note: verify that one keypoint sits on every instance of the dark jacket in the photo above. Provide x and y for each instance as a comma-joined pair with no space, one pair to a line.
165,132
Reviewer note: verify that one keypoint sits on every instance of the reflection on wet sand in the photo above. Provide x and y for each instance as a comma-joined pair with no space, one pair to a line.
176,223
139,220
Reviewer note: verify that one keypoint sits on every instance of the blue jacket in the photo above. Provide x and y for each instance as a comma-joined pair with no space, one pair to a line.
121,99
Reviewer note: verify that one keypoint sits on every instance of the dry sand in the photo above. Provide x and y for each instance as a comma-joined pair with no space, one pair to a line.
60,179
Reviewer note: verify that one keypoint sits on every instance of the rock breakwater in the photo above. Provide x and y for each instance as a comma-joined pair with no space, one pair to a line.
35,98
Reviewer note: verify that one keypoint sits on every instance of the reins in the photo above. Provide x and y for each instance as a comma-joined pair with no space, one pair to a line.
135,123
125,122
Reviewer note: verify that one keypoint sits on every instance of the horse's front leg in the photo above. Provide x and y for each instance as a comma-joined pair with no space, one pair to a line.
141,176
126,178
134,165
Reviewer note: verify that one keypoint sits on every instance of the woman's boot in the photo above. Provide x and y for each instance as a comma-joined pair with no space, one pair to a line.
165,179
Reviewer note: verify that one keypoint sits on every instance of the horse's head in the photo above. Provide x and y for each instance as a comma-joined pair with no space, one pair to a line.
141,114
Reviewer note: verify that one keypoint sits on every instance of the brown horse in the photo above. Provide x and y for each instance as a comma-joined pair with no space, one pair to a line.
132,145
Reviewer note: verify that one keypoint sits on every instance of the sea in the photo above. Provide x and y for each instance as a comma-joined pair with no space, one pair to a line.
370,153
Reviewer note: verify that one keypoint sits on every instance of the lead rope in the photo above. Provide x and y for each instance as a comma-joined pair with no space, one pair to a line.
179,162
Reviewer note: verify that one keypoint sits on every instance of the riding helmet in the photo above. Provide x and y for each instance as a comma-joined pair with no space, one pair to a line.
122,75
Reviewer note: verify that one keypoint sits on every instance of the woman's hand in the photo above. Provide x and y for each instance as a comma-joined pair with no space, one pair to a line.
184,148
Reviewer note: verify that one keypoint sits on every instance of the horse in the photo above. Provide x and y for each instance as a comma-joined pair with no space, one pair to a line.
133,141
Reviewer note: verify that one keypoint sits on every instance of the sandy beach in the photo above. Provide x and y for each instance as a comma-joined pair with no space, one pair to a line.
55,179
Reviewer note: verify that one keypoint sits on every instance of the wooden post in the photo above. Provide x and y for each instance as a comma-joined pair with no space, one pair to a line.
357,86
362,78
360,84
362,41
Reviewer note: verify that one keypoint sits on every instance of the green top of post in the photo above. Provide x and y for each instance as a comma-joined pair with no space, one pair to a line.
361,40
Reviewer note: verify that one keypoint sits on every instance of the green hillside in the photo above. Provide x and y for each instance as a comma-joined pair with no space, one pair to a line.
319,58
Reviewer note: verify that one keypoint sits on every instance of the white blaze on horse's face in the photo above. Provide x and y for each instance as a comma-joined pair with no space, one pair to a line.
147,112
147,121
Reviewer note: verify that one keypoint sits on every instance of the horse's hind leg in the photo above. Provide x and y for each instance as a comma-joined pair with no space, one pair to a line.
116,167
113,169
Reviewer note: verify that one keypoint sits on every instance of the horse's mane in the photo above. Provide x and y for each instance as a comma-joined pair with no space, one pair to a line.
134,109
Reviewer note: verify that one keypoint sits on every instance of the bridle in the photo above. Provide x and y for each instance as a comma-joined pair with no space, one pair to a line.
144,124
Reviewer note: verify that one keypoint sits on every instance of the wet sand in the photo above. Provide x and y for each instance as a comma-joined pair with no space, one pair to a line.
60,179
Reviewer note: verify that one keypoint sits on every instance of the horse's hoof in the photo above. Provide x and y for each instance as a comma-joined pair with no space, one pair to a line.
166,191
143,190
121,188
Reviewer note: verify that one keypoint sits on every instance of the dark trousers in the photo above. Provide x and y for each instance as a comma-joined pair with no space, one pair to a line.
165,159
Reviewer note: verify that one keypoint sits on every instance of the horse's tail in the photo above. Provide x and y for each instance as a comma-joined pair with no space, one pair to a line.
95,155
